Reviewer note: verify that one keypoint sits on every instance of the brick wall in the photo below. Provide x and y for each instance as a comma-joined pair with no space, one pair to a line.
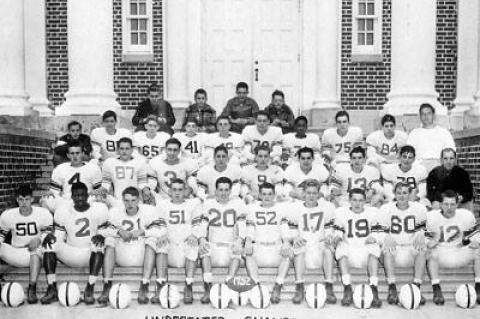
25,157
468,151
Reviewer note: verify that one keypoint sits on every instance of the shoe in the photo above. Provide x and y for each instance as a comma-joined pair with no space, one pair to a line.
299,293
103,299
277,290
32,293
376,302
156,298
392,298
331,299
188,294
88,298
437,295
206,294
422,298
142,293
347,295
51,295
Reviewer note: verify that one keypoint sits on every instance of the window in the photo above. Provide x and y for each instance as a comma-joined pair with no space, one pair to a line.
367,30
137,30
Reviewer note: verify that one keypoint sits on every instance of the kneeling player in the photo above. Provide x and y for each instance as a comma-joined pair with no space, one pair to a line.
446,228
75,241
405,245
26,224
357,239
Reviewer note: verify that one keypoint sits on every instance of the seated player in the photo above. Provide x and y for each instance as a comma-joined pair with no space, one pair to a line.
356,174
407,171
292,142
404,246
26,223
193,142
74,135
262,133
339,141
314,220
207,175
150,143
231,140
183,218
298,172
104,139
221,242
261,172
357,239
453,241
75,241
172,166
126,233
383,145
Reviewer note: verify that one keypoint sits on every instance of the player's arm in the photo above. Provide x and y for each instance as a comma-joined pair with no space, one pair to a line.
379,228
96,145
4,229
107,175
56,182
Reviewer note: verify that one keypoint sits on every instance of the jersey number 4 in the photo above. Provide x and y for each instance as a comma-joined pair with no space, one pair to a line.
74,179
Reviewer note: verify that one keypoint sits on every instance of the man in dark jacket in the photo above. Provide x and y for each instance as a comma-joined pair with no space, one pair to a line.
449,176
201,112
74,134
154,104
280,113
240,109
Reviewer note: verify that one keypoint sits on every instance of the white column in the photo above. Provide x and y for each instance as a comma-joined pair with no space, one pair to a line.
474,76
413,57
13,97
35,56
194,22
176,43
90,58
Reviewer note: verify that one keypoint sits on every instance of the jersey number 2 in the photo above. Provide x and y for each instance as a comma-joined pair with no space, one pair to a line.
84,231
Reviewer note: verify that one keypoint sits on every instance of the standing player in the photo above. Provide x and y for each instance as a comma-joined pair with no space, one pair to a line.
342,139
150,143
193,143
231,140
75,241
221,245
26,223
292,142
452,242
104,139
357,239
383,145
404,246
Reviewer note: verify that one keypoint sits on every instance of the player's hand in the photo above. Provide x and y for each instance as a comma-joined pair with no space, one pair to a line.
419,241
125,235
248,248
34,244
148,198
432,243
98,240
286,251
49,240
203,247
192,241
299,242
162,241
389,244
137,234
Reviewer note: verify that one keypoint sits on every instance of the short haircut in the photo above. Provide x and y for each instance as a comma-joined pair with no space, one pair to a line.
173,140
222,117
407,149
262,148
426,106
388,118
177,181
449,194
266,186
279,93
125,140
131,191
342,113
154,87
401,184
191,120
73,123
150,118
446,150
24,190
358,149
311,183
79,186
223,180
354,191
220,148
74,144
264,113
200,91
242,85
301,118
108,114
305,150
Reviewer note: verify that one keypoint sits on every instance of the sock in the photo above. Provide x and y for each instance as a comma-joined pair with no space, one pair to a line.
346,280
207,277
51,279
161,281
477,279
279,281
145,281
417,281
92,279
374,280
391,280
435,282
189,280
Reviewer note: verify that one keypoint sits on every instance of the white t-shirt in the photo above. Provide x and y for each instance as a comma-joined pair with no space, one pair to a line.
429,143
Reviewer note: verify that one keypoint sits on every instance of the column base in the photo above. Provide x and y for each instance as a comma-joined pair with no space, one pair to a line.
88,103
179,105
41,105
15,105
322,113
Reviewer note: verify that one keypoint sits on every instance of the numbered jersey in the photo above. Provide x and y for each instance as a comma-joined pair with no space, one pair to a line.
208,175
295,176
404,224
342,145
122,174
253,177
449,231
150,147
24,228
106,143
348,179
179,218
164,173
192,146
145,216
80,227
293,143
252,136
356,227
222,218
415,177
267,221
313,221
64,175
234,141
384,147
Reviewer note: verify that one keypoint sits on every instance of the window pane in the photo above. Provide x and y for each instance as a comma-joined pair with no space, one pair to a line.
371,9
133,9
361,9
369,38
361,38
143,24
134,24
369,24
143,38
361,24
142,9
134,37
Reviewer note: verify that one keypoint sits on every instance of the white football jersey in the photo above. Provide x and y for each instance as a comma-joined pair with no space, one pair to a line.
145,216
415,177
252,136
356,227
253,177
293,143
164,173
192,146
105,143
179,217
122,174
267,221
386,148
449,231
342,145
80,227
222,218
295,176
348,179
64,175
207,176
232,142
404,224
150,147
24,228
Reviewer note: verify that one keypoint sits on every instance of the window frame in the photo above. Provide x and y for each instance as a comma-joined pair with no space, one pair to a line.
367,53
132,52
